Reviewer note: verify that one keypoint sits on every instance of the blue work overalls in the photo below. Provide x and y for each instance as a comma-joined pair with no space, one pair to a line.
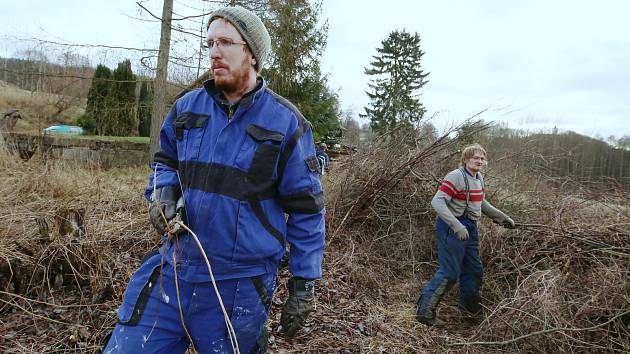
241,172
458,261
149,318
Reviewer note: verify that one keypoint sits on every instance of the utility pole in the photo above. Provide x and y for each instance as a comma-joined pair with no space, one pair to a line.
159,99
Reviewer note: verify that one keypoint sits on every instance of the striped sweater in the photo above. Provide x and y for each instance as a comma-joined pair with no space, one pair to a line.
450,200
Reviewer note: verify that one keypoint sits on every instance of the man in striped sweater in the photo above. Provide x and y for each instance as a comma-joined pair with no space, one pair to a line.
459,203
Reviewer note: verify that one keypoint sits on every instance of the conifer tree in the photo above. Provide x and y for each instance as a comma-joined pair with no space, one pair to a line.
145,102
397,76
96,109
294,68
122,101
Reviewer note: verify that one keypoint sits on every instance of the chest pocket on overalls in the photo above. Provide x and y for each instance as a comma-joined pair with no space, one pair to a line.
259,182
266,154
189,129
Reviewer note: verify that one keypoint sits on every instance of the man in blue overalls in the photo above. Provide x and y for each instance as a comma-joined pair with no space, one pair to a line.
234,159
459,203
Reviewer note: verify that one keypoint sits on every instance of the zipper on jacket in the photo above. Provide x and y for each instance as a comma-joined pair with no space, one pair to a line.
230,111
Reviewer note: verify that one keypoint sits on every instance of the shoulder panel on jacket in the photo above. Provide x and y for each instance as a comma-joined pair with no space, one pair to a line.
283,101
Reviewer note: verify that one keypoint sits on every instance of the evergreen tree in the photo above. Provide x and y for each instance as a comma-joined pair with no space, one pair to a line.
294,67
87,122
96,112
122,100
145,102
397,76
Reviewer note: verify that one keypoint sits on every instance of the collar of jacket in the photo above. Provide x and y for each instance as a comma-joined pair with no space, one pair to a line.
245,102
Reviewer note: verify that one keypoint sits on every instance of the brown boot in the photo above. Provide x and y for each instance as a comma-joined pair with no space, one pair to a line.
430,321
429,316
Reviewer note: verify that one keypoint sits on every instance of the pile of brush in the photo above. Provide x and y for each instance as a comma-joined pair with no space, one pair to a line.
557,283
70,238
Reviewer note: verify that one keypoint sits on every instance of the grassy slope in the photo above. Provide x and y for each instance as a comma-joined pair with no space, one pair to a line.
35,107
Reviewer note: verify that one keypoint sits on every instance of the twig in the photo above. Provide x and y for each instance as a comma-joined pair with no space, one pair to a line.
32,313
41,302
545,331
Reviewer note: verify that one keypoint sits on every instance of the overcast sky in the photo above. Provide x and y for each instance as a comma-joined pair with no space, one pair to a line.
534,64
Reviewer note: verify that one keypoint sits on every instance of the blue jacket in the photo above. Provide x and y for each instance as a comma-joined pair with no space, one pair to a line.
239,177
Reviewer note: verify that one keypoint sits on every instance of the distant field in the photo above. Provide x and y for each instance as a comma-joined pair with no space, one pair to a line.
37,107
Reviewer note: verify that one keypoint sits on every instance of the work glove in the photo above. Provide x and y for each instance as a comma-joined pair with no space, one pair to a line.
462,234
166,209
508,223
299,305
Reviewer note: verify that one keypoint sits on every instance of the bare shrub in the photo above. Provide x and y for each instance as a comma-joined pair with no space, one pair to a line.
559,283
69,239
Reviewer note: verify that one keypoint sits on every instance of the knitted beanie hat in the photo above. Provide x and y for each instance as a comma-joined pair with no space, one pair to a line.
250,27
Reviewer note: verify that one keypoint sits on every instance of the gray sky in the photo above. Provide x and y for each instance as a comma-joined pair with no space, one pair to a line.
534,64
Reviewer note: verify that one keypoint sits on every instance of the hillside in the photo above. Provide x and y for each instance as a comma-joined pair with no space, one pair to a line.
559,155
39,109
49,93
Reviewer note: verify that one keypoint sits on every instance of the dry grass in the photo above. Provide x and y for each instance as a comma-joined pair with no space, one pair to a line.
559,287
559,283
37,107
68,283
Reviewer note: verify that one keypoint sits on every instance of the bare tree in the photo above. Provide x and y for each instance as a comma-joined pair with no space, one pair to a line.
159,98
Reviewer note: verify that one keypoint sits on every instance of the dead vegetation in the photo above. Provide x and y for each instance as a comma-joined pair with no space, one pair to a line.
39,109
70,238
558,283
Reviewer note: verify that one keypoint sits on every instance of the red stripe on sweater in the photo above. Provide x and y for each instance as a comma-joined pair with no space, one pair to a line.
448,183
472,198
446,189
457,190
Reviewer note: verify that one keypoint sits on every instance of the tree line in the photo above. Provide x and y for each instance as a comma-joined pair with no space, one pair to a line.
112,105
35,72
555,155
118,105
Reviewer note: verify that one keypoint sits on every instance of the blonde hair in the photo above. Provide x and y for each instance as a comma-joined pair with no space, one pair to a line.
469,151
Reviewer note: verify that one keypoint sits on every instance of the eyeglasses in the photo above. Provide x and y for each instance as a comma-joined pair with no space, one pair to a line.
223,43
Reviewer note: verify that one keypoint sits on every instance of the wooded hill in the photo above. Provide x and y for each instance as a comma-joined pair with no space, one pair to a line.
44,76
566,154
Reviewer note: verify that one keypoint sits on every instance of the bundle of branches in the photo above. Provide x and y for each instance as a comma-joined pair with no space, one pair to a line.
560,281
557,283
69,239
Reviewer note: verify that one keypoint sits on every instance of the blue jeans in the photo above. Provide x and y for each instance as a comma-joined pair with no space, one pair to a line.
458,261
149,318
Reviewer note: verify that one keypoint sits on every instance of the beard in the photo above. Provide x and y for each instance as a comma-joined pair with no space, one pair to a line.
236,78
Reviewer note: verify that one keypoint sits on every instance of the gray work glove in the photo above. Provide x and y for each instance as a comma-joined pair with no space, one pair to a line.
462,234
299,305
165,209
508,223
